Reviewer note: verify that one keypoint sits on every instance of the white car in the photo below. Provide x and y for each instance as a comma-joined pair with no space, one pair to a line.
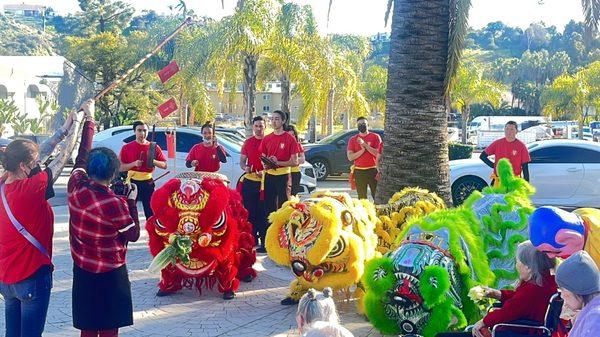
186,137
564,172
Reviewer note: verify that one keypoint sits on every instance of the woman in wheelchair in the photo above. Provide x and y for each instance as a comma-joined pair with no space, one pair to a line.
529,300
579,281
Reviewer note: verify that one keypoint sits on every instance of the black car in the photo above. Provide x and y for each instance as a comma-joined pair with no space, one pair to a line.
328,156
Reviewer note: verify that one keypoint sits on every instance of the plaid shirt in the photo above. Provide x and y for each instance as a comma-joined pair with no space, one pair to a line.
98,217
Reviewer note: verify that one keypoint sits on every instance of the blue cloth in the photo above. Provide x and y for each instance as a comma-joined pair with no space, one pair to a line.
26,304
587,322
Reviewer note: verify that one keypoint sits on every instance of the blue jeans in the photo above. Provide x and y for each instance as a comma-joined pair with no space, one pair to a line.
26,304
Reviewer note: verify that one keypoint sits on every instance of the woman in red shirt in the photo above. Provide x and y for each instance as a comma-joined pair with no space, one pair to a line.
26,229
529,300
208,155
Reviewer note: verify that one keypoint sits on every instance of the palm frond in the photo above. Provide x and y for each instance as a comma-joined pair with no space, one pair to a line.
591,13
388,11
459,24
329,11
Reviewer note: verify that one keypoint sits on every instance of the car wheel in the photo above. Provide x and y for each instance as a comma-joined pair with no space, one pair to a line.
321,167
463,187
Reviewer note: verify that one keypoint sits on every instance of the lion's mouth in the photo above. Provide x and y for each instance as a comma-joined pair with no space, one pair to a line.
195,267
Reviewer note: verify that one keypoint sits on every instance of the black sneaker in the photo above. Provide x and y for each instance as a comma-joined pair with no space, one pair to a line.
289,301
228,295
261,249
161,293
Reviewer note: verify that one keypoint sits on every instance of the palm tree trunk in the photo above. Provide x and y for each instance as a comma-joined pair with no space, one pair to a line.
330,98
416,127
250,73
285,93
191,116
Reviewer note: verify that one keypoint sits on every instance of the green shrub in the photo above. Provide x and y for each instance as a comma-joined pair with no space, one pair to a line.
459,151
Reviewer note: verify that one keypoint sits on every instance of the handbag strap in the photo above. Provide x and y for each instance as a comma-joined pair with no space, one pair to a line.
20,227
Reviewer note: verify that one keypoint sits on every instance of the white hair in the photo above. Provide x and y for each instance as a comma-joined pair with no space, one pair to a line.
326,329
317,306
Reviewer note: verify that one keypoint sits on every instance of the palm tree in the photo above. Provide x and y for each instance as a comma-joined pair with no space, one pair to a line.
469,87
8,111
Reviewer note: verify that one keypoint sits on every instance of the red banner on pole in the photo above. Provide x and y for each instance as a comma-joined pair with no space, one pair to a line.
167,108
170,144
167,72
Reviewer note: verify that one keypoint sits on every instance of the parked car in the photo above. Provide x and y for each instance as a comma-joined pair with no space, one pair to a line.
187,137
328,155
4,143
564,172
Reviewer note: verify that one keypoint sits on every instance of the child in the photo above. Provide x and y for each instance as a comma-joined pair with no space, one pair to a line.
317,314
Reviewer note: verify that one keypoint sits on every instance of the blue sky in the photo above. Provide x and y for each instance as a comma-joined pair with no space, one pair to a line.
365,17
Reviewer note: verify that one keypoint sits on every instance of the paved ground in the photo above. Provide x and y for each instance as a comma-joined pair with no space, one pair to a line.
255,311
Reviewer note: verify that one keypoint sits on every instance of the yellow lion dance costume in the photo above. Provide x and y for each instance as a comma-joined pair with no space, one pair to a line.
411,202
326,241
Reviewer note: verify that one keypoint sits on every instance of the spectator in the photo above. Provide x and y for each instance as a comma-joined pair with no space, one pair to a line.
295,170
208,155
101,224
26,229
326,329
316,307
511,148
529,300
579,281
363,149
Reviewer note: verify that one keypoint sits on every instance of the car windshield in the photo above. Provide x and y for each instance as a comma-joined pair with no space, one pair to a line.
331,138
230,145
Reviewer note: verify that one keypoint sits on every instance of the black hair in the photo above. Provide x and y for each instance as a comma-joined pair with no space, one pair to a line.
103,164
282,114
258,119
18,151
138,123
292,128
206,125
512,123
361,118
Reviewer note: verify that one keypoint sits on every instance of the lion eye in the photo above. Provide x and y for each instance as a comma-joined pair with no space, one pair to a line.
221,222
347,218
339,248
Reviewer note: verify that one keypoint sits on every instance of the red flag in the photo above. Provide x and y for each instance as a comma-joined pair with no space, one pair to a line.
167,108
168,71
170,145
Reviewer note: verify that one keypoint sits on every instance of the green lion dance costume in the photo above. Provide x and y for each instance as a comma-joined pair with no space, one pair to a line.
421,287
326,241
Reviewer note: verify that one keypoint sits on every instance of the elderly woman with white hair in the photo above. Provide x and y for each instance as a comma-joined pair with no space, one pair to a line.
529,300
317,316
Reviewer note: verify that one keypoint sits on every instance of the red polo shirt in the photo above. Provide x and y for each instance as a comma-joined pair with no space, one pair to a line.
281,146
207,157
366,160
515,151
133,151
250,149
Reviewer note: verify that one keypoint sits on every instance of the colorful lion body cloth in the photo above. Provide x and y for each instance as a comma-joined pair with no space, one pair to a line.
200,236
422,286
325,240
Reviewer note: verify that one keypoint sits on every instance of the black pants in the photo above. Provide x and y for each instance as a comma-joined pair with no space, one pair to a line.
364,178
275,192
296,176
145,189
255,208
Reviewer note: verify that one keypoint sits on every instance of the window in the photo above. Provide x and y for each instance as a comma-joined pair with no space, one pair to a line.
564,154
266,108
266,97
3,92
32,91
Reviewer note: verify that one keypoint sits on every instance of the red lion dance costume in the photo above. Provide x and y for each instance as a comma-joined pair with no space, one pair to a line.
211,218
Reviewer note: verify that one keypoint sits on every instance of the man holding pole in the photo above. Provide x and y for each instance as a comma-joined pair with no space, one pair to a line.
279,152
138,159
252,182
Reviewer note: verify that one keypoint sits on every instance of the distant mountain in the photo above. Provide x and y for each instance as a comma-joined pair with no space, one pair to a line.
17,39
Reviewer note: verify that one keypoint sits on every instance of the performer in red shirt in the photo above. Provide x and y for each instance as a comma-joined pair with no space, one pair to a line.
280,150
134,160
508,147
296,175
362,150
208,155
252,180
26,229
